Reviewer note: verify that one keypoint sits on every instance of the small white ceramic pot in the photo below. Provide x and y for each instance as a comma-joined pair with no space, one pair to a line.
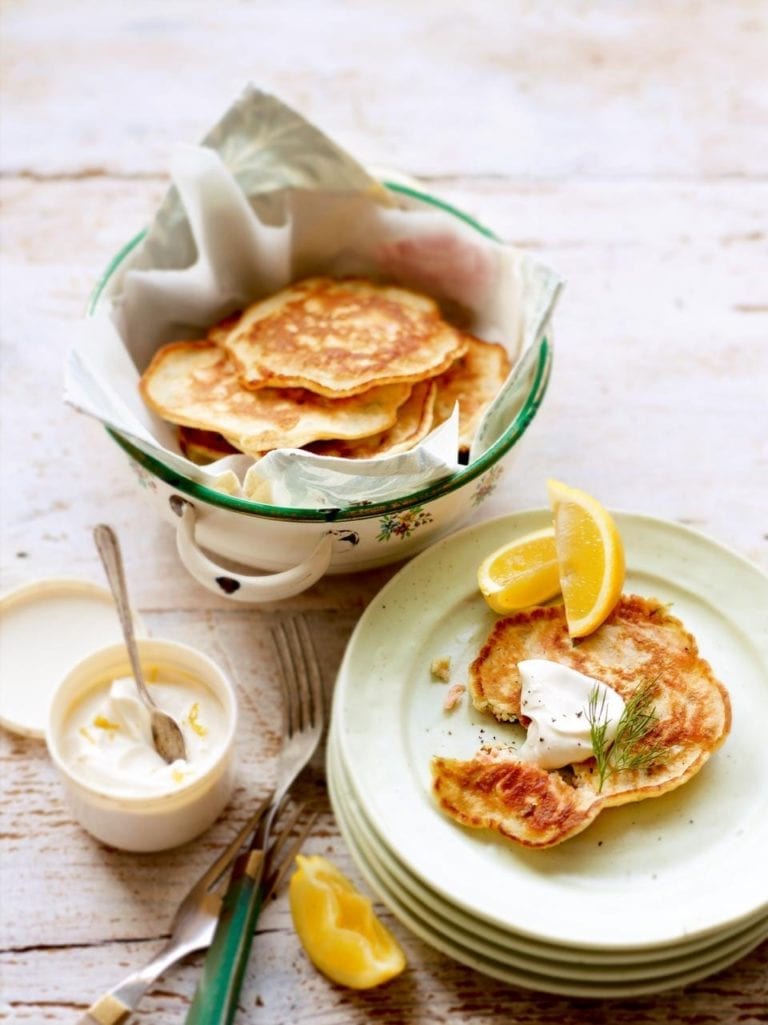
160,820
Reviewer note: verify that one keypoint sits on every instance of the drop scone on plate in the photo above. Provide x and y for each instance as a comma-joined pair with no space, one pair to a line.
629,712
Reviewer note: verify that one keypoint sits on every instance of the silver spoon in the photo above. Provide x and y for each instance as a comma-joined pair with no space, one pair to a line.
166,735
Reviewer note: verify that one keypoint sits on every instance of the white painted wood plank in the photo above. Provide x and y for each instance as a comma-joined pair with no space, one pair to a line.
282,988
498,87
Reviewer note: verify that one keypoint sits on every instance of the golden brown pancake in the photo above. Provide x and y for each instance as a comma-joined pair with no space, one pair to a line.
341,337
203,447
473,381
639,644
414,421
219,332
195,384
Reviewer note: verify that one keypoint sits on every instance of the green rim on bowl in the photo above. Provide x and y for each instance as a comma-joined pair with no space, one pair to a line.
541,374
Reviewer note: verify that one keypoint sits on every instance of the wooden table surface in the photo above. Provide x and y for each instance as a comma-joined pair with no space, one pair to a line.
622,143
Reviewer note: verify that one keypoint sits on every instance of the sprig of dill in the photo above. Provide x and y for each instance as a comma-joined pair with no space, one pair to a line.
597,716
636,720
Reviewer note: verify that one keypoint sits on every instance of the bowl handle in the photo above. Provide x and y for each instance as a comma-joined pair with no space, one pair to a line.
240,587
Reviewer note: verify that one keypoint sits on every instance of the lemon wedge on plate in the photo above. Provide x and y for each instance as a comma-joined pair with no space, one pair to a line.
591,557
338,928
521,573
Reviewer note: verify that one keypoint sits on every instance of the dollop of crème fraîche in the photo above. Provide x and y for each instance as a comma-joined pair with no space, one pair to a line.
107,735
556,700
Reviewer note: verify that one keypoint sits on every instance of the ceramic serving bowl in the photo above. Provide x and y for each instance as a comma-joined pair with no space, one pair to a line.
220,537
142,821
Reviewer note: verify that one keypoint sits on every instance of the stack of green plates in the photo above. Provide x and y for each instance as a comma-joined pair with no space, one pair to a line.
653,895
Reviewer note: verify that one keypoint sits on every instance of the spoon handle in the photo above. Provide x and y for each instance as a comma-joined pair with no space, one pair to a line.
109,550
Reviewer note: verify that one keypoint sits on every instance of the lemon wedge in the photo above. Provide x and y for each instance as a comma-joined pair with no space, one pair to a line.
338,928
591,557
521,573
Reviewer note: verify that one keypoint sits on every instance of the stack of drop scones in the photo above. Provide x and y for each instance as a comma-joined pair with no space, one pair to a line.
344,368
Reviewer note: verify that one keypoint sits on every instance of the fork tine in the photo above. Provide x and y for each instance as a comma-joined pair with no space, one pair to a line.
300,678
311,669
286,824
306,672
317,682
285,857
298,683
285,674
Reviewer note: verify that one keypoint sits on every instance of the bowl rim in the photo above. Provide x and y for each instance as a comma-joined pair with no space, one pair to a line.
360,510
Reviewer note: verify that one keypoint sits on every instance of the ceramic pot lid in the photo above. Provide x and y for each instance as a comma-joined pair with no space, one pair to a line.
46,626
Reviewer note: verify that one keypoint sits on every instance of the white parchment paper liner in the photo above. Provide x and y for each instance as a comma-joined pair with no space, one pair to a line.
266,200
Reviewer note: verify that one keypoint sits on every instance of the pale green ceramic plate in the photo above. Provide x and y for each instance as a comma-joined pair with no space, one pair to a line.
643,875
507,963
644,961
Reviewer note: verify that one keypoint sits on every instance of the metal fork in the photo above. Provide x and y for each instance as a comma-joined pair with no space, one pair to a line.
195,920
215,999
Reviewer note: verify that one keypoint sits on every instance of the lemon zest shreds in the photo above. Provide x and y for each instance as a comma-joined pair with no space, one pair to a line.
194,720
103,723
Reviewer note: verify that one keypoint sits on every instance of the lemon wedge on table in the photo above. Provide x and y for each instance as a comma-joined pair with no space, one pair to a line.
521,573
591,557
338,928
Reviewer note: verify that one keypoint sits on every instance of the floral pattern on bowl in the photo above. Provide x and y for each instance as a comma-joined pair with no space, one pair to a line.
401,525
